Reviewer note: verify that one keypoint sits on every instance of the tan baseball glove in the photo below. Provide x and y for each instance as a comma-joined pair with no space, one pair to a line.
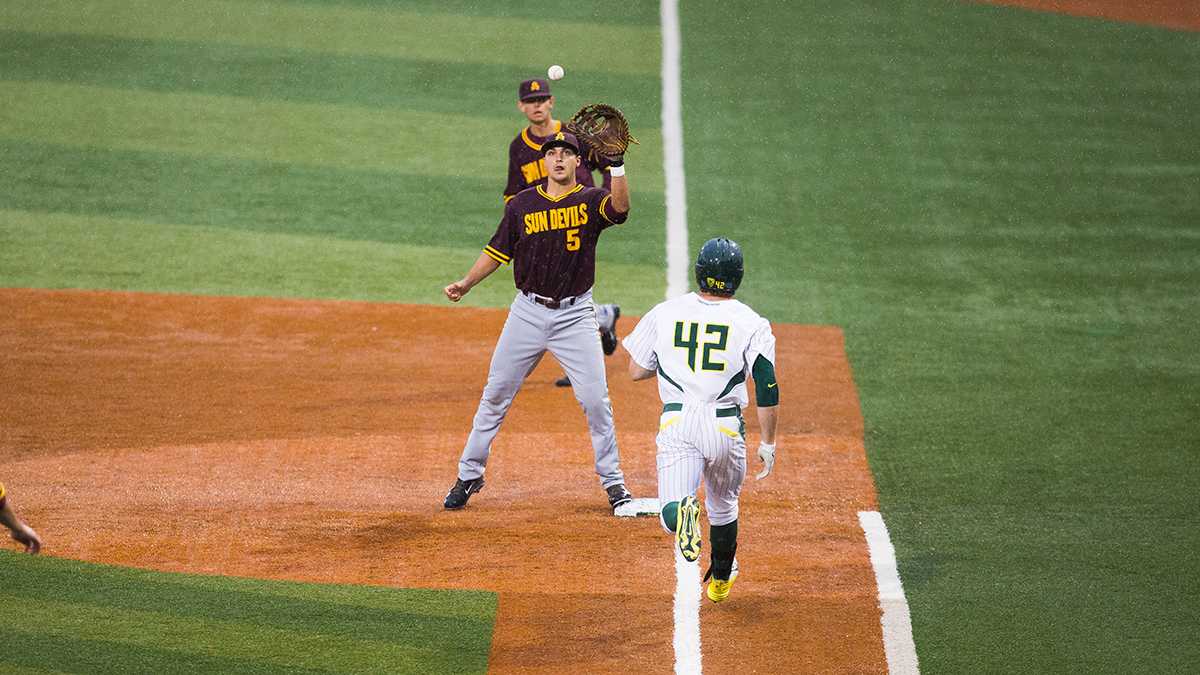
604,130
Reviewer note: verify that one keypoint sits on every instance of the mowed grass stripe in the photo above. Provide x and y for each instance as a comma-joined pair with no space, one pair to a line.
352,30
111,619
250,195
40,652
487,90
46,250
405,142
237,127
286,199
644,13
192,633
425,618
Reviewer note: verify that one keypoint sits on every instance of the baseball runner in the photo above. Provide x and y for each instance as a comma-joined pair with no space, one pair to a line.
21,532
549,234
527,168
703,346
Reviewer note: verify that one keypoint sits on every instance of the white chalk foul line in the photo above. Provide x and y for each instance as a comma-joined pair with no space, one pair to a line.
898,644
672,135
687,615
687,575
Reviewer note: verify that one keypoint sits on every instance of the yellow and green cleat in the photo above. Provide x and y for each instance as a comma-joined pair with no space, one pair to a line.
718,589
687,531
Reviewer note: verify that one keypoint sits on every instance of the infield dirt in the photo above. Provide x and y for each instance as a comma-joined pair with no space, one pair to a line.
314,441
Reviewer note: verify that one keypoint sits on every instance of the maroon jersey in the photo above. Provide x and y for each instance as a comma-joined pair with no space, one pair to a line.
551,241
527,165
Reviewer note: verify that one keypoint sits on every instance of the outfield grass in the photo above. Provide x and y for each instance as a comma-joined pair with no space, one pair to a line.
67,616
1000,209
246,116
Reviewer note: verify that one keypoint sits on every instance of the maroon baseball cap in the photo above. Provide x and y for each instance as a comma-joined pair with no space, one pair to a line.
533,89
562,139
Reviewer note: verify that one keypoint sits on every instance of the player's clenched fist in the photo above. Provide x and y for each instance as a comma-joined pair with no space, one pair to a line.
456,290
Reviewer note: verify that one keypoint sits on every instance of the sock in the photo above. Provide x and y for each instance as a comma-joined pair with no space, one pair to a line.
723,540
670,515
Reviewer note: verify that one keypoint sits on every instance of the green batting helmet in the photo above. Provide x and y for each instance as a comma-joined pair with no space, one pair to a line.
719,266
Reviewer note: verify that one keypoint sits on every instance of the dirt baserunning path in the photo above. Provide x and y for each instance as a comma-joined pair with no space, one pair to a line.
314,441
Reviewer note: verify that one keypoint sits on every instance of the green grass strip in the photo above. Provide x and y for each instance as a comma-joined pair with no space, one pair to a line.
111,619
449,38
291,133
281,74
266,197
999,208
59,251
634,13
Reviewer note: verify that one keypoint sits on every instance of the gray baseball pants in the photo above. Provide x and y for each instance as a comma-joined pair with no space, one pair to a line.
572,335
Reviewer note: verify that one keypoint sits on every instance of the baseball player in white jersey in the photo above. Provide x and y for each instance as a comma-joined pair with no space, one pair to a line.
703,346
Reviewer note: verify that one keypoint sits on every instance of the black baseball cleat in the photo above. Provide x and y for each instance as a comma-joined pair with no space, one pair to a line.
461,492
618,495
607,315
563,381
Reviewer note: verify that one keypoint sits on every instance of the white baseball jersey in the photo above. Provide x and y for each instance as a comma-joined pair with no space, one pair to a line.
703,351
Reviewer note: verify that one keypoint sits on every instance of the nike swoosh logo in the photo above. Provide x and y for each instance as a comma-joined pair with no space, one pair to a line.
773,384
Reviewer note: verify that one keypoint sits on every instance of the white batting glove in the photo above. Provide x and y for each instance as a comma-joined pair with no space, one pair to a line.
766,452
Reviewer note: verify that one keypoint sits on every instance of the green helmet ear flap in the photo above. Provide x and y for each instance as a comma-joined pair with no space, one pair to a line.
719,266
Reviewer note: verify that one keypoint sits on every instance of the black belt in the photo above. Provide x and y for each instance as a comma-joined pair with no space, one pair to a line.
731,411
550,302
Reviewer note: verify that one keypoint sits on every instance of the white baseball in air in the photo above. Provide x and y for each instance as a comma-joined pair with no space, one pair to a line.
555,72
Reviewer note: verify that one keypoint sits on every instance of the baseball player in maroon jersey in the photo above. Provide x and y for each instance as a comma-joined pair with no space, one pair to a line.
549,234
527,168
526,161
21,532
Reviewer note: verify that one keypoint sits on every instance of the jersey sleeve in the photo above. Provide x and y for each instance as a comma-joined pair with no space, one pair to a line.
762,343
1,494
504,242
608,215
640,343
760,356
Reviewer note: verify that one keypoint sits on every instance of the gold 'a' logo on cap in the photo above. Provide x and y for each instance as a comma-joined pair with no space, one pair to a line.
559,137
534,86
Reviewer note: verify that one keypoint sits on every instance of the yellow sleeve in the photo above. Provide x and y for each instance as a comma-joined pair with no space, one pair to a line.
1,493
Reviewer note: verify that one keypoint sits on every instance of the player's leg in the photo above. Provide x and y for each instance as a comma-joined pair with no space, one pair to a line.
520,347
606,317
575,341
606,320
680,469
725,449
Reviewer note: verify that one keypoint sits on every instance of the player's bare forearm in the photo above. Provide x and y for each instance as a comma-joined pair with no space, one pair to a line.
637,372
768,420
484,266
620,194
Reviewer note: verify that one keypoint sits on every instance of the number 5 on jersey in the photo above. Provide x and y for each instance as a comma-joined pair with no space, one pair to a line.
692,344
573,239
